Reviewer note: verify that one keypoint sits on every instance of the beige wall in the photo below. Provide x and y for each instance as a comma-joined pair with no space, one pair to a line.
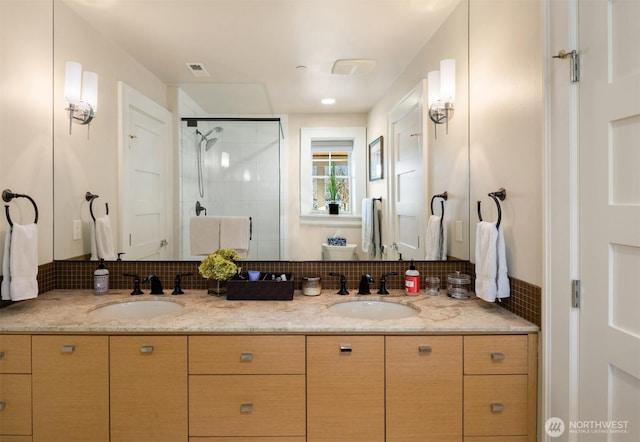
25,116
90,163
506,125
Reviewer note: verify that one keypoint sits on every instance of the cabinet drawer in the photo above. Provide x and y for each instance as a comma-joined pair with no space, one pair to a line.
253,439
246,355
496,439
15,404
15,354
495,354
245,406
15,438
495,405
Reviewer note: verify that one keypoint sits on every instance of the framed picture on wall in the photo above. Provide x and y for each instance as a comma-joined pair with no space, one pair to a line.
375,159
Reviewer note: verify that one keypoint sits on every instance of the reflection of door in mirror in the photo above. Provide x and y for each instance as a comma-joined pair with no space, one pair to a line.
146,171
408,178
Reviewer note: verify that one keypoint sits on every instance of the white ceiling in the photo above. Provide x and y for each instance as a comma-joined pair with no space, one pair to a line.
251,48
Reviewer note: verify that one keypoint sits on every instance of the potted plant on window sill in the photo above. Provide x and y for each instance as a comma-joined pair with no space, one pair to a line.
334,207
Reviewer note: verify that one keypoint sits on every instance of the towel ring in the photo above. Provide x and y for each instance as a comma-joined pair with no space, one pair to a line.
500,194
8,195
445,196
90,197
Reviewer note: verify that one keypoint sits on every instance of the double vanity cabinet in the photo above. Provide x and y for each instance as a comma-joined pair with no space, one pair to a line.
268,387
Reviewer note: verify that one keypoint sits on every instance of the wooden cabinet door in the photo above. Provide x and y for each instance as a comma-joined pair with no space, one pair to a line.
70,388
424,388
15,404
148,388
345,388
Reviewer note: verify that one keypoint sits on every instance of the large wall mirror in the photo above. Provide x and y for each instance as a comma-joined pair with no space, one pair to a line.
163,64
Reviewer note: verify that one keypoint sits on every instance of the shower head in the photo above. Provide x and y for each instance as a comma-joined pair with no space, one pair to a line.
210,143
218,129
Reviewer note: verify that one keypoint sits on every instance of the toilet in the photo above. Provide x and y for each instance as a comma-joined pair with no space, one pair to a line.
338,253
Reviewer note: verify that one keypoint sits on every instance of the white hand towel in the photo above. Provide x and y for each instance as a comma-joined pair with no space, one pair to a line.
486,261
104,239
504,288
436,239
367,224
235,234
23,265
6,273
204,234
94,247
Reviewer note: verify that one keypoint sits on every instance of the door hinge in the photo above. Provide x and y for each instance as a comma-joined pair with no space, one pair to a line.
574,67
575,293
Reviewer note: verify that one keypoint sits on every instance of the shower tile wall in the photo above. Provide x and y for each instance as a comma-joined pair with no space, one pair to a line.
249,186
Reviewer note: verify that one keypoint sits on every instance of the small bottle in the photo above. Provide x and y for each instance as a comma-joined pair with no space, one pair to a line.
101,279
412,280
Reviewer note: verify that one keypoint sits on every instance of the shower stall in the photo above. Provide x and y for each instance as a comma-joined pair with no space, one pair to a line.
231,167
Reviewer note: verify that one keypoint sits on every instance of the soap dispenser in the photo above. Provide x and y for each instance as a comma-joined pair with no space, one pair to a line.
101,279
412,280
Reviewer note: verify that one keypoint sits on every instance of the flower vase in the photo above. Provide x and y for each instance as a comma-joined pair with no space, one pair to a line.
217,287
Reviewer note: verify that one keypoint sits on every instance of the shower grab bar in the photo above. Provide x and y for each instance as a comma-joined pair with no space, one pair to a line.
8,195
90,197
500,194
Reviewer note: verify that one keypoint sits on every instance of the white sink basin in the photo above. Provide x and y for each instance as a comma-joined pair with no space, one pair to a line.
373,309
140,309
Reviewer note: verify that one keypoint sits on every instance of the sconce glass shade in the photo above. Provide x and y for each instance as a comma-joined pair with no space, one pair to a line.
72,82
90,89
224,160
448,80
433,87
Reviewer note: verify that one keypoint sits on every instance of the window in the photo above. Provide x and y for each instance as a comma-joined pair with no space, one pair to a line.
324,157
320,149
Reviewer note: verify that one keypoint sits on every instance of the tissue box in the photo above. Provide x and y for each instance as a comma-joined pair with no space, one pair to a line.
337,241
265,289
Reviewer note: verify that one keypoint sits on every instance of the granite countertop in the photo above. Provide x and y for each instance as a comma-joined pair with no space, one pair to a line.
68,311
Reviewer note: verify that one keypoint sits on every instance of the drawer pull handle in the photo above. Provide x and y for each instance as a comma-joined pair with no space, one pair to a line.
246,356
2,405
345,349
1,354
497,408
424,349
68,348
246,408
497,356
146,349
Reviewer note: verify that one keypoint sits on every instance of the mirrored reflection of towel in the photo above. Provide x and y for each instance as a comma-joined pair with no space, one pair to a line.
376,234
23,262
235,234
6,275
436,239
367,224
204,234
492,281
104,239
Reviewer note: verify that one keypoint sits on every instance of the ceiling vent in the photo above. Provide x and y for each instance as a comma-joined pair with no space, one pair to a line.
198,69
353,66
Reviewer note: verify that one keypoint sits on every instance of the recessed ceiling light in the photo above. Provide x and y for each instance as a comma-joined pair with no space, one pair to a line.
328,100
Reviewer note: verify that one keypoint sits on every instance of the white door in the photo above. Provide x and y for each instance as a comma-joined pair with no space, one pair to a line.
408,178
146,181
609,338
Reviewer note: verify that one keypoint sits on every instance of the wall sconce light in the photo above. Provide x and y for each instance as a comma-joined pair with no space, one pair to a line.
442,93
224,160
80,94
